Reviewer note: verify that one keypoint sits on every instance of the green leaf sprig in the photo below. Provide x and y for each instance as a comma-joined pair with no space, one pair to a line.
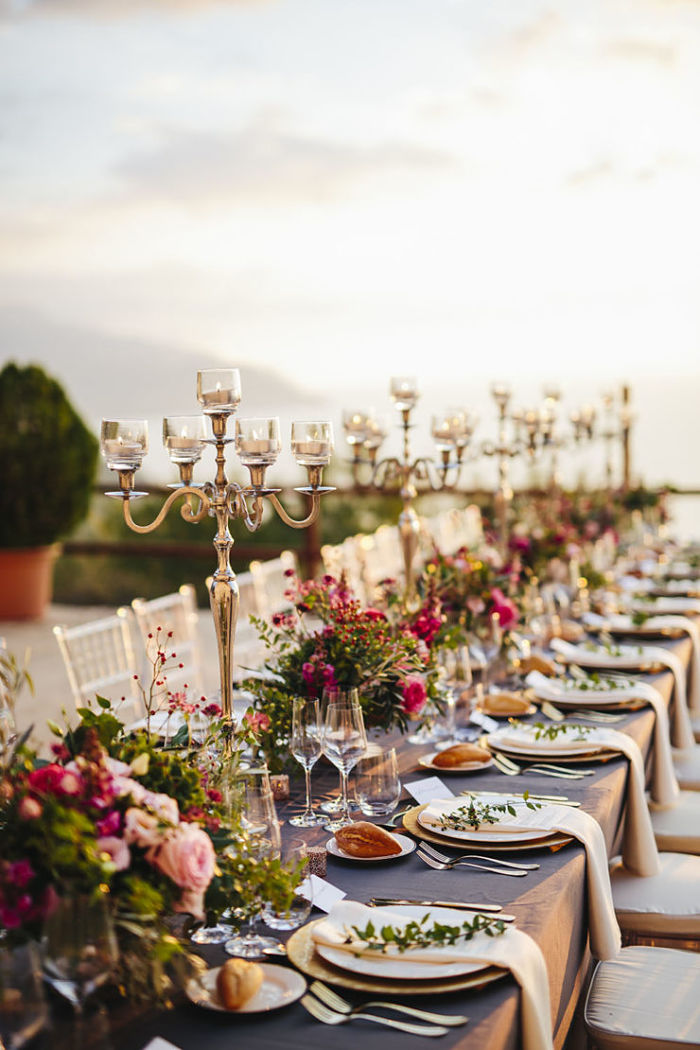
417,935
582,682
474,813
552,730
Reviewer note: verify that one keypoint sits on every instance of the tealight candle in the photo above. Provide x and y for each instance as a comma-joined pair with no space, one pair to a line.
312,443
258,441
124,443
404,392
219,390
183,437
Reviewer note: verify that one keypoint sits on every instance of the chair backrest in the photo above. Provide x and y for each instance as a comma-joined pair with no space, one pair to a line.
100,661
176,613
345,558
271,581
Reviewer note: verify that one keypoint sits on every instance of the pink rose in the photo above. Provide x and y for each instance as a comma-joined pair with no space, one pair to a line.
164,807
141,828
117,851
29,809
414,694
187,857
504,608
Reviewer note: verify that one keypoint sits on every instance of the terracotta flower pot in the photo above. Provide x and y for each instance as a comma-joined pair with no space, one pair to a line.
26,581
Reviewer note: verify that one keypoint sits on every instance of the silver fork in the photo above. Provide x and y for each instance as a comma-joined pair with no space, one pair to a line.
562,771
443,866
427,848
324,1014
604,717
512,769
336,1002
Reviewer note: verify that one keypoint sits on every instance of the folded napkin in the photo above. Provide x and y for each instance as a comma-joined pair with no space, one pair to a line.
664,785
661,622
639,851
668,606
603,928
513,950
631,657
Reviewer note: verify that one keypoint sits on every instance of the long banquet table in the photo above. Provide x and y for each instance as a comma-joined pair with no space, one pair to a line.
549,904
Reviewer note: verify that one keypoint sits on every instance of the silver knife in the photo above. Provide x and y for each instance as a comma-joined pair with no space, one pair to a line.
494,909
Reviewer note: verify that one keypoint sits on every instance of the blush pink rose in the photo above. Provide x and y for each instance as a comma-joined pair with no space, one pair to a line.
141,828
187,857
29,809
164,807
117,851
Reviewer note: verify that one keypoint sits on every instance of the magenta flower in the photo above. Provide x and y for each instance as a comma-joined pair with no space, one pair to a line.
20,873
504,608
414,694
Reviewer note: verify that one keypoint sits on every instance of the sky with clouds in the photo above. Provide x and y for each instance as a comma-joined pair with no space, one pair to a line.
342,191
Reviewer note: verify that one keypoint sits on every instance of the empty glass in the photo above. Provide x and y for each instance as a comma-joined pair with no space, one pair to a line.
455,671
305,745
344,743
377,784
23,1011
334,695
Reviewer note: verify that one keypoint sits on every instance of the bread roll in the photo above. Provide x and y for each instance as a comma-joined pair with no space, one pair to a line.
237,981
504,704
538,662
363,839
460,755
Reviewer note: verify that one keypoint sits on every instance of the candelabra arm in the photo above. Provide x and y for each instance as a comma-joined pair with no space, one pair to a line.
238,507
305,522
187,512
386,471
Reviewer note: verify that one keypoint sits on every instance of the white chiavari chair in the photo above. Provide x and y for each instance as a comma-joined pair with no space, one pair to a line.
271,581
345,558
100,660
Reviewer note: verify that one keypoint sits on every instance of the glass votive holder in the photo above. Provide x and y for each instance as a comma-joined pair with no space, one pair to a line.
312,442
318,860
404,392
219,390
377,784
355,425
279,783
444,431
184,437
258,441
124,443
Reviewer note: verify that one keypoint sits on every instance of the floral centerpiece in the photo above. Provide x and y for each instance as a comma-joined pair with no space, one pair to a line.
114,813
470,589
326,640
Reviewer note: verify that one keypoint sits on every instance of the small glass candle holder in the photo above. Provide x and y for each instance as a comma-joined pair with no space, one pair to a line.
124,443
318,860
184,438
219,390
444,429
312,442
279,782
377,430
404,392
355,424
258,441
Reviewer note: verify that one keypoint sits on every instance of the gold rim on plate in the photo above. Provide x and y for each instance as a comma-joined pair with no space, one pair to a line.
603,754
553,840
302,953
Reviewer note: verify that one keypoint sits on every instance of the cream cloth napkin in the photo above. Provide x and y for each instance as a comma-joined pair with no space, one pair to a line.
631,657
639,851
603,928
514,950
667,606
664,785
673,622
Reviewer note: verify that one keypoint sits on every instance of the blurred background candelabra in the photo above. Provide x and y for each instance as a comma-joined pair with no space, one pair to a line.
409,476
124,442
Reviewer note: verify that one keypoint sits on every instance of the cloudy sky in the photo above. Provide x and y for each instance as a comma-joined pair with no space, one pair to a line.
343,190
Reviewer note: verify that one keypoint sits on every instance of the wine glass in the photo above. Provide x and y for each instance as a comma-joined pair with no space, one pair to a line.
344,742
377,784
334,695
260,824
23,1010
491,647
305,745
79,949
455,671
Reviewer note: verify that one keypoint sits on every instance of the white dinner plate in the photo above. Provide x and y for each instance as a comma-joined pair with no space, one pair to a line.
524,835
428,762
542,754
392,969
407,846
280,987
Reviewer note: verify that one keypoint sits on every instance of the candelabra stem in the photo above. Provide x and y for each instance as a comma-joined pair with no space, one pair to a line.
223,592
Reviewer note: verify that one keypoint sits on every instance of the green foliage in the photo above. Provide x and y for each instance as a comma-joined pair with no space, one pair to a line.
49,459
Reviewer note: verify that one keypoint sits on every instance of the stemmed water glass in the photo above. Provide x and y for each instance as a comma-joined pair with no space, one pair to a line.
305,745
491,647
261,826
79,949
344,743
334,695
455,671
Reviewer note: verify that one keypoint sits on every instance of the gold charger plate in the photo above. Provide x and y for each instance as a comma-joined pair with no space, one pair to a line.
302,953
553,840
601,755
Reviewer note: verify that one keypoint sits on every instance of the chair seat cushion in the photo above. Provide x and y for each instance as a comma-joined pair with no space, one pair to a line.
677,830
667,904
646,999
687,766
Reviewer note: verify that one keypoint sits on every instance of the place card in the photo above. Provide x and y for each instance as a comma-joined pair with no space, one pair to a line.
321,893
480,719
427,789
